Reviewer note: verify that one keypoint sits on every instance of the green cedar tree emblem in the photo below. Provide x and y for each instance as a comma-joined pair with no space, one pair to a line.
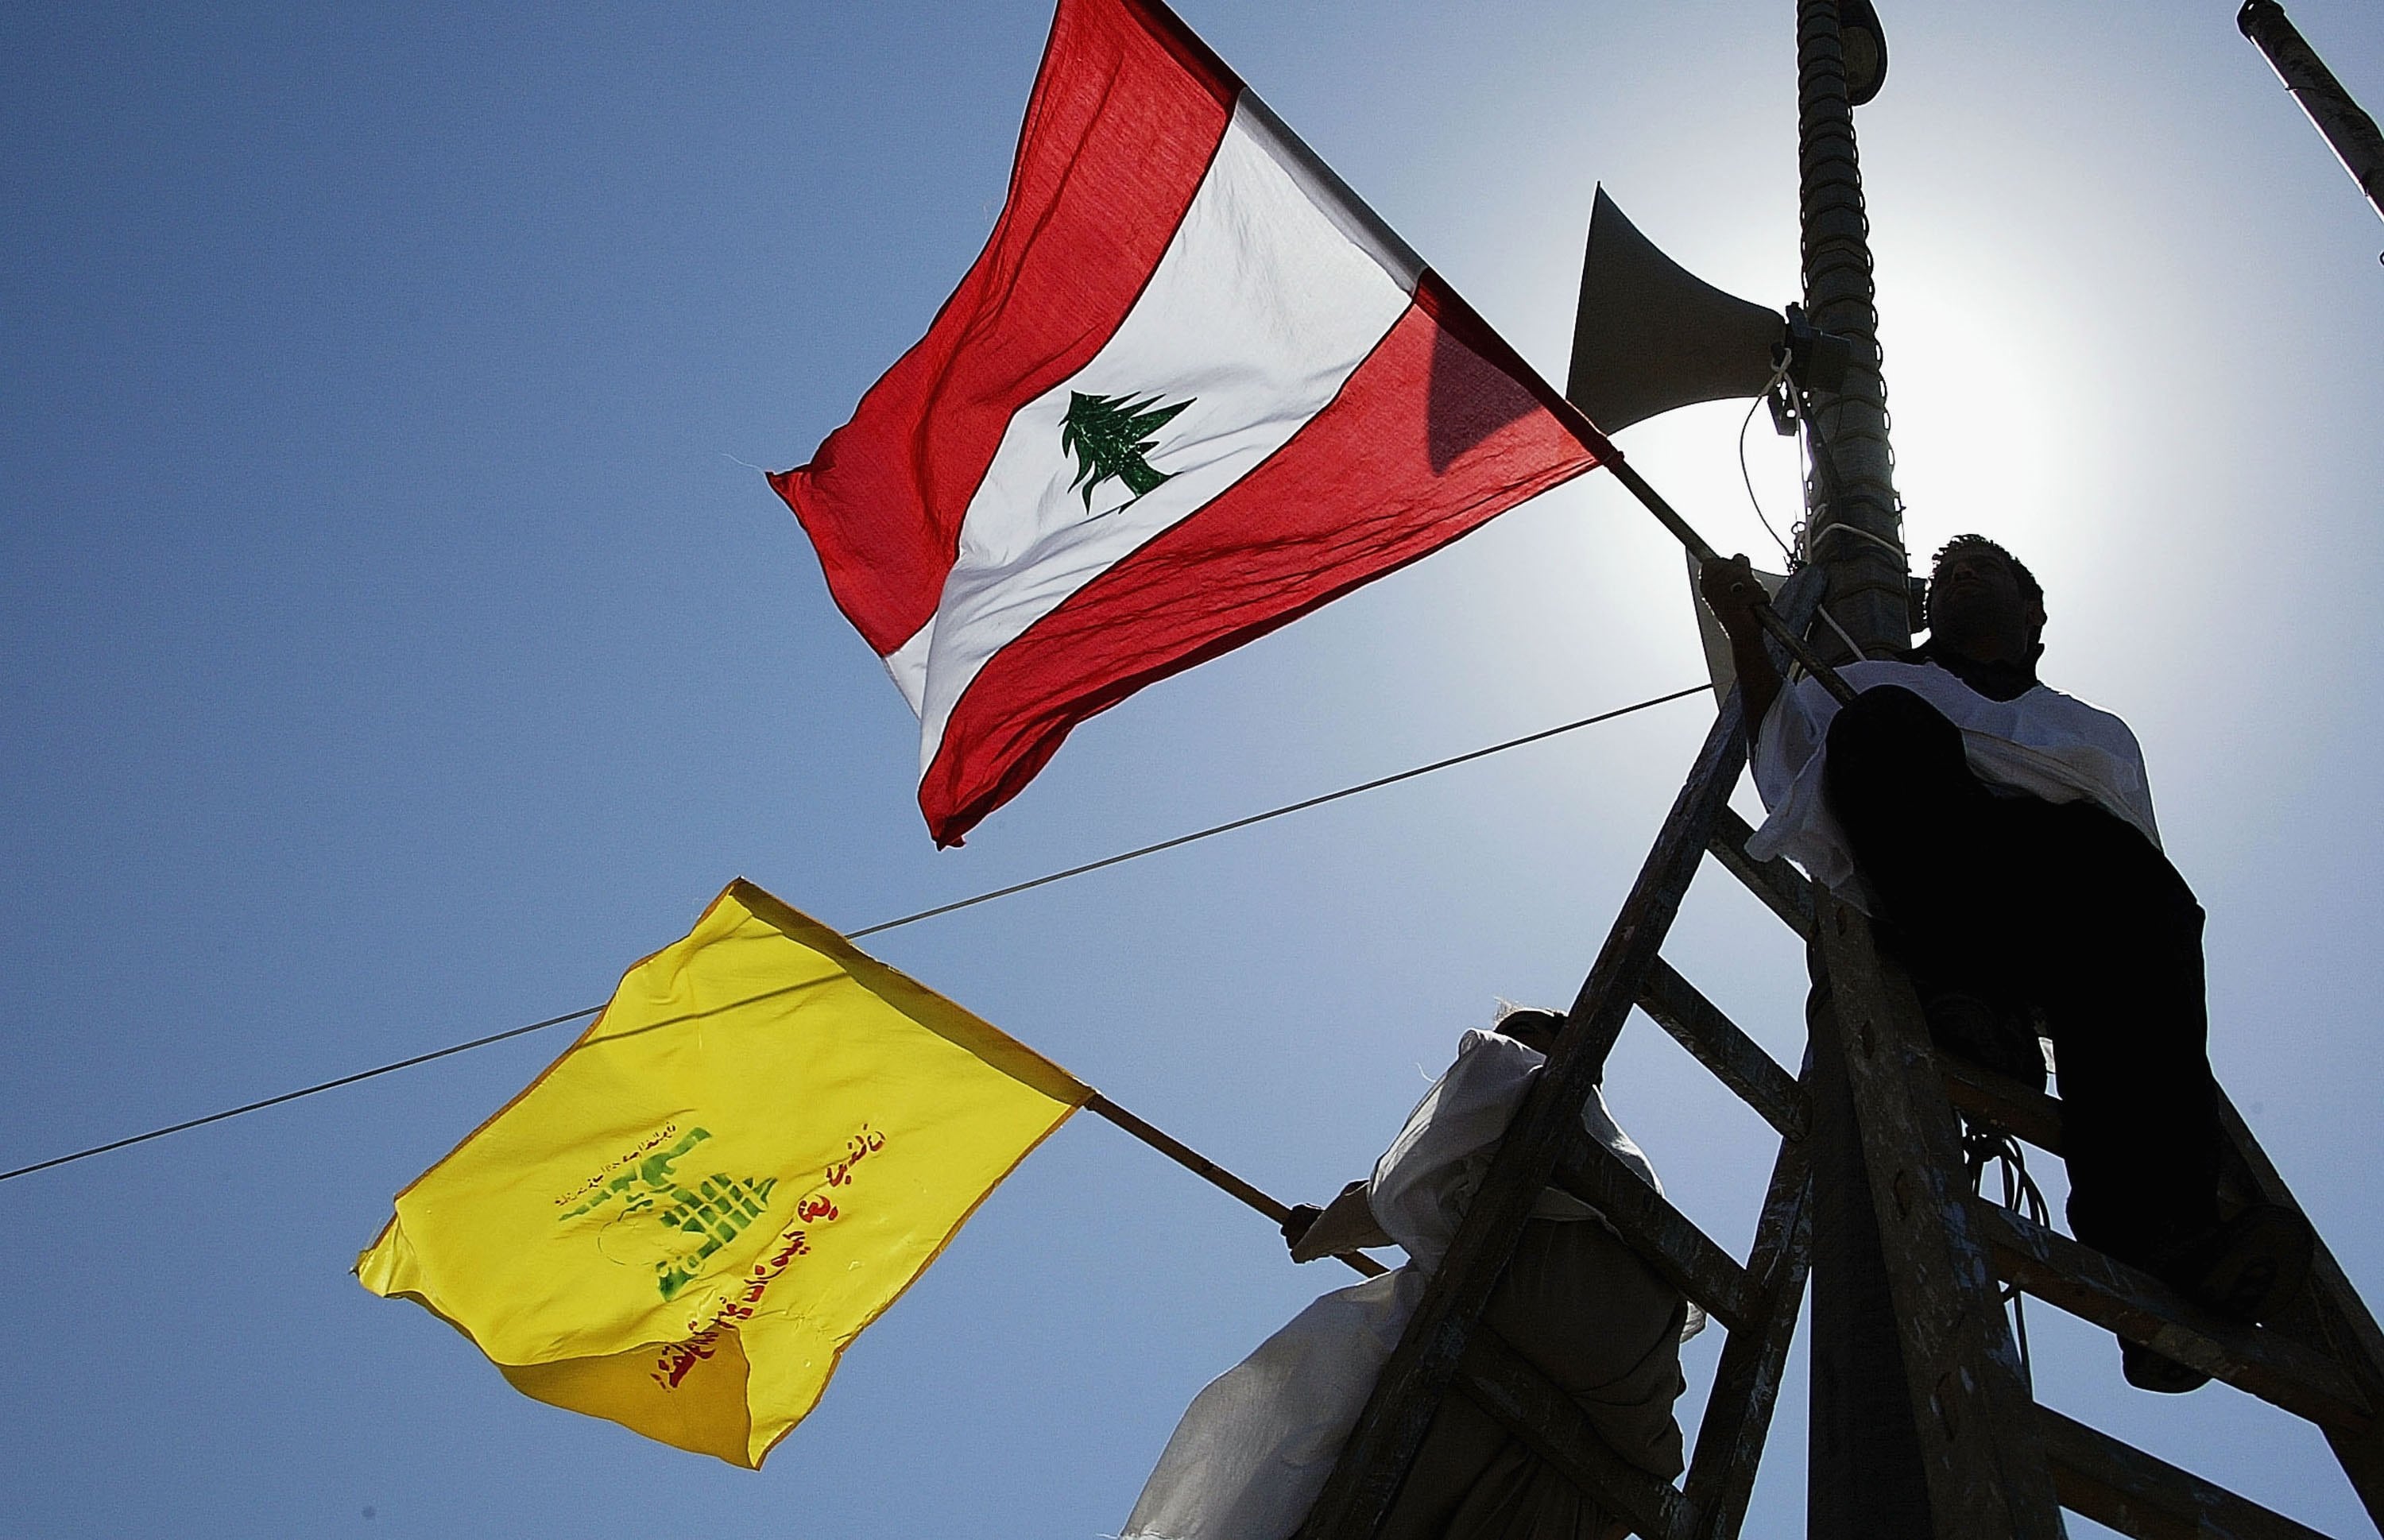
1110,434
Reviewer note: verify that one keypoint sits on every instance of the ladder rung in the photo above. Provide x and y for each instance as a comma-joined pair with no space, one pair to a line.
2000,1100
2136,1305
2136,1494
1505,1384
1782,888
1660,1232
1735,1059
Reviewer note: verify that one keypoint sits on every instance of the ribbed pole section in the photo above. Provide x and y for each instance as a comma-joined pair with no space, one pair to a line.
2350,130
1863,1479
1854,532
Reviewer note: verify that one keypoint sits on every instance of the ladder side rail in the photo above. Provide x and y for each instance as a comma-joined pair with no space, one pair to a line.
2302,1370
2332,1283
1665,1238
1757,1304
2118,1297
2328,1319
1365,1481
1505,1384
1724,1048
1981,1454
2330,1314
1746,1382
1499,1380
2138,1494
1784,890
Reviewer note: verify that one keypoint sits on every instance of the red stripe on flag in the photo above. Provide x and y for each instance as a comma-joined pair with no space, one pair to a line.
1128,109
1441,429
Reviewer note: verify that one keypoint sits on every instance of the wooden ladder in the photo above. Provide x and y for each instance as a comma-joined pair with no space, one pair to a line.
1997,1464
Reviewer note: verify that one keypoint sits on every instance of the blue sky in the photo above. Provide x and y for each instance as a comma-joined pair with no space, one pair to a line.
392,649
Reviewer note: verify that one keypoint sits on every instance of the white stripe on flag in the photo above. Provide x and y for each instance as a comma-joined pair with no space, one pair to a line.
1275,288
907,663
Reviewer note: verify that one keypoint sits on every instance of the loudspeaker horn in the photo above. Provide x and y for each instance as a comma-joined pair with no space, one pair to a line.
1651,336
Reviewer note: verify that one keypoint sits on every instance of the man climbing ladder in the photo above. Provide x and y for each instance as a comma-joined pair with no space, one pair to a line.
1577,1302
2000,834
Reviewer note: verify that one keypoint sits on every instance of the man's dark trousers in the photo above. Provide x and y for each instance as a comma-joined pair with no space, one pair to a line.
2062,906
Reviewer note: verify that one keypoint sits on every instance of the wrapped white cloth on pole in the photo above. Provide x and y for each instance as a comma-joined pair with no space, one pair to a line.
1255,1446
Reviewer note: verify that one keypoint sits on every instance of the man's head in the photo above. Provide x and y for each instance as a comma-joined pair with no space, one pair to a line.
1535,1029
1983,603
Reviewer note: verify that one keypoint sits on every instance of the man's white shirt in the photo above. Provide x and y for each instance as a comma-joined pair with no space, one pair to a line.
2042,742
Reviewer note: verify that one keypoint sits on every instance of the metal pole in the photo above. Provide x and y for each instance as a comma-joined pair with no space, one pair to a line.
1863,1479
2351,132
1856,530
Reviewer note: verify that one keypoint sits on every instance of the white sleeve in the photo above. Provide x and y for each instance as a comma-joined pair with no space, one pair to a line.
2136,790
1422,1183
1345,1224
1792,734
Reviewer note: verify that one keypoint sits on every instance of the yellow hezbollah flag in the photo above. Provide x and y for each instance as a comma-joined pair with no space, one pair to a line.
760,1142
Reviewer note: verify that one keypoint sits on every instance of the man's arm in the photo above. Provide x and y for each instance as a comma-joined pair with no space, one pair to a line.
1732,591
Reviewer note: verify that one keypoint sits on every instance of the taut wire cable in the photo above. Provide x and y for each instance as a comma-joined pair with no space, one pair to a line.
971,902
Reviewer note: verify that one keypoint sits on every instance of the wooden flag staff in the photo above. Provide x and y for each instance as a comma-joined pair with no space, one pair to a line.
1767,617
1200,1166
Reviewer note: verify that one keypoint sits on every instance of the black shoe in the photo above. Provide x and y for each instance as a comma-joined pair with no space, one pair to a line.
1986,1035
2249,1267
2149,1371
2246,1269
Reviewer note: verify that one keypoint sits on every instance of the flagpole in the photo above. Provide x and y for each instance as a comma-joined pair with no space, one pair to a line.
1865,1477
1779,629
1200,1166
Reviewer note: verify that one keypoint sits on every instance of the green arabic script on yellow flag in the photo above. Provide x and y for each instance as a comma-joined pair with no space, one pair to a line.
760,1143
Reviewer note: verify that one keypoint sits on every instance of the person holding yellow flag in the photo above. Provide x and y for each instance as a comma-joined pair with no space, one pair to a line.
1256,1445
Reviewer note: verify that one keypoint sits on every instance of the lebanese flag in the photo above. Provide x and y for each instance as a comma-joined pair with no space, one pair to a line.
1191,389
